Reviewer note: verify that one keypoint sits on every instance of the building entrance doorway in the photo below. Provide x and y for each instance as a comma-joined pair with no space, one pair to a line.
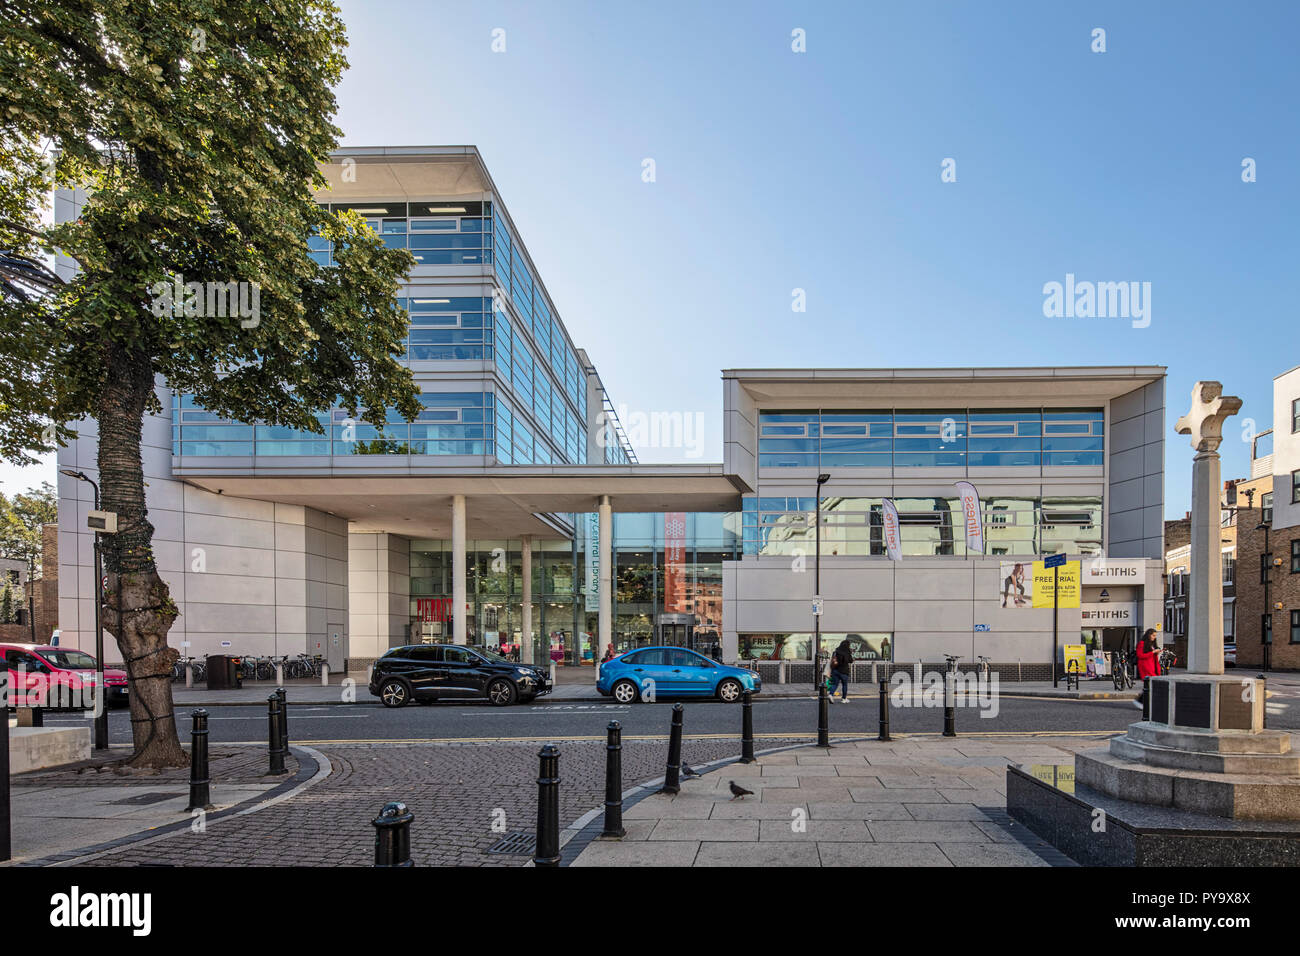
676,630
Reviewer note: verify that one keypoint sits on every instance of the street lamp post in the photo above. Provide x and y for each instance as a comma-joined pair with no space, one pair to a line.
1266,637
817,580
101,702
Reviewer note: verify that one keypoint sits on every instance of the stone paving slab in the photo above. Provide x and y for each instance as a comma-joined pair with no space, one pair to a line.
757,854
860,811
815,831
882,854
991,854
743,831
915,803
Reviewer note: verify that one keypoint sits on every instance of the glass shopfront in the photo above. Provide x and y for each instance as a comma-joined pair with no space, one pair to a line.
798,647
663,563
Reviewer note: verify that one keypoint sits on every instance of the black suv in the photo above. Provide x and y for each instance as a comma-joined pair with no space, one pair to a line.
453,672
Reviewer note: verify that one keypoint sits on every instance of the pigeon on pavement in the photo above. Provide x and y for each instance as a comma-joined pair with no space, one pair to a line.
740,792
688,772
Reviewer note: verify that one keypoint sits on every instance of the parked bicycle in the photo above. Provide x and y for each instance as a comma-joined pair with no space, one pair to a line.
1122,669
1167,660
198,666
952,660
982,668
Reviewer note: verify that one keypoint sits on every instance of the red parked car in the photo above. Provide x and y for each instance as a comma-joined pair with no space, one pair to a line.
41,675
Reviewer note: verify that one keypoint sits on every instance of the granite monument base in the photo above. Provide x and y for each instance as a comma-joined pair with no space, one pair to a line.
1097,829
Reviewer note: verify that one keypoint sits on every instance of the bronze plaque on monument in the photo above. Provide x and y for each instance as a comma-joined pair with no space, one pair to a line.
1235,710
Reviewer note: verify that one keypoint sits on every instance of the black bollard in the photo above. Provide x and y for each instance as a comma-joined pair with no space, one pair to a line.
949,707
200,784
548,808
747,728
393,835
284,721
1146,698
614,781
273,735
823,717
671,778
884,710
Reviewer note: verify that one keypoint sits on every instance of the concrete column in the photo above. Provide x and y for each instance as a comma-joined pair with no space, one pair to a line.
1205,597
458,597
526,619
605,632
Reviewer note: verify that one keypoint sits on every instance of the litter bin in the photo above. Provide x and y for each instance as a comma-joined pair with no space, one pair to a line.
223,672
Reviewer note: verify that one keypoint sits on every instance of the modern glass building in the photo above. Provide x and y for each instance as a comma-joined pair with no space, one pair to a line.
513,511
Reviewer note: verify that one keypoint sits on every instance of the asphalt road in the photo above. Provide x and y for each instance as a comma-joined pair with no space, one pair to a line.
368,721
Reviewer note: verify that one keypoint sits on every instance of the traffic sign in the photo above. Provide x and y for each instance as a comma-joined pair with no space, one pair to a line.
981,627
1054,561
817,606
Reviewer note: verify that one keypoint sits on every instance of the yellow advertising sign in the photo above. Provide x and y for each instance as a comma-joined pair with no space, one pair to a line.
1076,659
1067,584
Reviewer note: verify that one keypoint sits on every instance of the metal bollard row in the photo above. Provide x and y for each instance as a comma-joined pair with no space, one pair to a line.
672,778
547,852
884,711
276,752
823,716
200,781
614,781
393,835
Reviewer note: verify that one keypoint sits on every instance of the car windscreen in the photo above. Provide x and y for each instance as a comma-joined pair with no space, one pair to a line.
491,655
69,660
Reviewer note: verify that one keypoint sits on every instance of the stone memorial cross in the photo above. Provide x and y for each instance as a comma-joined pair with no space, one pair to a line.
1204,422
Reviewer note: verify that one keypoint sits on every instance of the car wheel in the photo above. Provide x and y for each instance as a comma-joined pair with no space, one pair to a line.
625,692
501,693
729,691
395,693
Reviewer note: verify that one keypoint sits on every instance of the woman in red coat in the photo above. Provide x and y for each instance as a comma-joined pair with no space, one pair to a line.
1148,659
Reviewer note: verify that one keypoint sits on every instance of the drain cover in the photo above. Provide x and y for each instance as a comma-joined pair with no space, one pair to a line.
144,799
516,842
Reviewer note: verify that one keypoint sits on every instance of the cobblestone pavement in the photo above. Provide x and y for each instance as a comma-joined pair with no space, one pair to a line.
453,790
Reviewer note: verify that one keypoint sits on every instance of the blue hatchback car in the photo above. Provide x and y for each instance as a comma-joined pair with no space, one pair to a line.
652,672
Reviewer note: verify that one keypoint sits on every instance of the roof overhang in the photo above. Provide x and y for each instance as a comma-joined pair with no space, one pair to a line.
502,501
928,387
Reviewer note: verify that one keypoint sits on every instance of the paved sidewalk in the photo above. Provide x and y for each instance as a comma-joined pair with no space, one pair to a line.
907,803
95,802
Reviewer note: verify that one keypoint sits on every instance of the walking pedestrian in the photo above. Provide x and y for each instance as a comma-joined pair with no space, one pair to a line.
1148,661
841,661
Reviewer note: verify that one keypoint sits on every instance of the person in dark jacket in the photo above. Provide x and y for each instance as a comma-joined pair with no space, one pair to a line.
1148,660
841,661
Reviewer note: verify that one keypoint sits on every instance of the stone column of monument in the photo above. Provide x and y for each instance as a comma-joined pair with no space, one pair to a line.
1202,745
1204,423
1199,781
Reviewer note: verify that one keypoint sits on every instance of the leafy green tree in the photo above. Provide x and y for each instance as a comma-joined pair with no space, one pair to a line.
197,130
22,520
7,613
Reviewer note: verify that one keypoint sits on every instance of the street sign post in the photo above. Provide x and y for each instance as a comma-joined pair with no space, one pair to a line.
1054,562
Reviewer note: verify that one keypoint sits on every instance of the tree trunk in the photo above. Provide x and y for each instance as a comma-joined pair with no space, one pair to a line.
138,609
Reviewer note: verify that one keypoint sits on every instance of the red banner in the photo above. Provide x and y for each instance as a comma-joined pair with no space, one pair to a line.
675,562
433,609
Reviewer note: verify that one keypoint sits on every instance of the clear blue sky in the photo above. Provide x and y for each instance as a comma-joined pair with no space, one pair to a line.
821,170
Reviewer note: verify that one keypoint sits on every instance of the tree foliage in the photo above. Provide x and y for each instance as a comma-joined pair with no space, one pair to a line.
194,131
22,520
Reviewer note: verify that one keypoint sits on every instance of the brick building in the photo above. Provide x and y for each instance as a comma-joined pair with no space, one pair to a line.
1268,533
